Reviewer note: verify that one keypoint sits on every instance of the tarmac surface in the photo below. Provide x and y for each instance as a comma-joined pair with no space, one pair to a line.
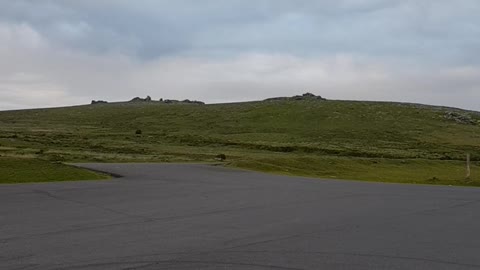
180,216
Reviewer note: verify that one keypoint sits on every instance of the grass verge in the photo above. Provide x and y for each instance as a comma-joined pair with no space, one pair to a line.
22,170
415,171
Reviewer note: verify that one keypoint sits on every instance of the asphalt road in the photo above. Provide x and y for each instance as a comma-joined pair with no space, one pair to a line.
205,217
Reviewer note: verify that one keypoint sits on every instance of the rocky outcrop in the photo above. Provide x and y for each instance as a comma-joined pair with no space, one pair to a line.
98,102
186,101
306,96
167,101
193,102
139,99
460,118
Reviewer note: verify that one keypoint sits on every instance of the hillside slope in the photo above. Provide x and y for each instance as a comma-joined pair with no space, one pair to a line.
273,133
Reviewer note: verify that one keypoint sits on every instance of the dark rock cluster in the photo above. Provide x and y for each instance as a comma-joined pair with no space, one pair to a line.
167,101
186,101
306,96
139,99
99,102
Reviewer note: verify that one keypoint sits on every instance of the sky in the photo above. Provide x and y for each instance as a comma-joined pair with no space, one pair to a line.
67,52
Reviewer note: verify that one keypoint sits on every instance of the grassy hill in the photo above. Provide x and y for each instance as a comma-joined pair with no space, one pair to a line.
375,141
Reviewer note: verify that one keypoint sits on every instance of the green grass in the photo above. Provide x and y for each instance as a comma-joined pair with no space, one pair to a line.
419,171
22,170
375,141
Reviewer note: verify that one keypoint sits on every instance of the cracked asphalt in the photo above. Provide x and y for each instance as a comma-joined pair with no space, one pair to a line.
179,216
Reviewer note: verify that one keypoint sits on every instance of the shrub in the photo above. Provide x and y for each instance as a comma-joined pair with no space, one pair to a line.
56,158
138,132
221,157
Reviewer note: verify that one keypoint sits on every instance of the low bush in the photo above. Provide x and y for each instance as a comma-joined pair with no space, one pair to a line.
221,157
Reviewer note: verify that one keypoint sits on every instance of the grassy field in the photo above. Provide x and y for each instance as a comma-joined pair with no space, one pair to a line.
374,141
22,170
419,171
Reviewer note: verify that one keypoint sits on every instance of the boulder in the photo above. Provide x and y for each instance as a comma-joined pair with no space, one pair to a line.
136,99
460,118
98,102
306,96
186,101
193,102
139,99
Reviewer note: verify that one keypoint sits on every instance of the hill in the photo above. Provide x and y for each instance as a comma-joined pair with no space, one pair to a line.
380,141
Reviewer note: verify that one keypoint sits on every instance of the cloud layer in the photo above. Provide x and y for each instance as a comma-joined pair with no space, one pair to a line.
68,52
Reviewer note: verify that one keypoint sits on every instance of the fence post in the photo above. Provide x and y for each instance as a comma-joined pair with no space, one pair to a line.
468,167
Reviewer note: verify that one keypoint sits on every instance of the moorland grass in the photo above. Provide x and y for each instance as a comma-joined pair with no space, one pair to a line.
376,141
417,171
24,170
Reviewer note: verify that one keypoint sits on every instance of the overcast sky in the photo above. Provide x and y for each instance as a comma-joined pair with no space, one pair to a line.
65,52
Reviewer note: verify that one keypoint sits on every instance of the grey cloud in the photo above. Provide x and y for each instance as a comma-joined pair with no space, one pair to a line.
228,50
437,29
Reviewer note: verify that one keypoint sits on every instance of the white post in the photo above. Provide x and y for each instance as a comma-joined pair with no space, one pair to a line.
468,166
